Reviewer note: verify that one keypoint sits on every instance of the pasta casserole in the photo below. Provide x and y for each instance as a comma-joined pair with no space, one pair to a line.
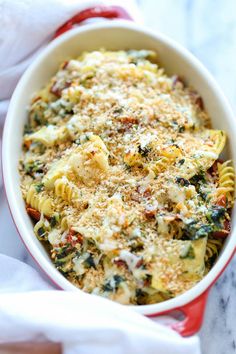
122,176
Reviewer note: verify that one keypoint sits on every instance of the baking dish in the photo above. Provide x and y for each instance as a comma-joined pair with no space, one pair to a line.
115,35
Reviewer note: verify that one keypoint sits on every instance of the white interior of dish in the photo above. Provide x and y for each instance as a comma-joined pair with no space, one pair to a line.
110,35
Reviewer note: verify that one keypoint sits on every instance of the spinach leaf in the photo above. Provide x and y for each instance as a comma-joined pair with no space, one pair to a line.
39,187
194,231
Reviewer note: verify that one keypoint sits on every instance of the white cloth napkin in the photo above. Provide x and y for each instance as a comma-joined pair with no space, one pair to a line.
85,324
30,309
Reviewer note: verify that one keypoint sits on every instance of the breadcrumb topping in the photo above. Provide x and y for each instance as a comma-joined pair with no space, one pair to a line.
119,174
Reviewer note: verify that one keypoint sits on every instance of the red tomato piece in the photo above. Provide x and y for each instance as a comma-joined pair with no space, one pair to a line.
120,263
71,237
221,201
35,214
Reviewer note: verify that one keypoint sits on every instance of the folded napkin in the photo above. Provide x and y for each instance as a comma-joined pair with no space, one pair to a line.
30,308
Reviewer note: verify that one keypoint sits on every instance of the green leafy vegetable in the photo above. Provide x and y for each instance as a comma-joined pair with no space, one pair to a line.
181,162
37,118
33,166
113,284
194,231
107,287
118,279
41,232
27,129
215,214
89,262
181,129
54,220
203,231
187,252
39,187
182,181
143,151
141,296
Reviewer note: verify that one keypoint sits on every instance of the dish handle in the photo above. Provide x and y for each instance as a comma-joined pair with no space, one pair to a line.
109,12
193,316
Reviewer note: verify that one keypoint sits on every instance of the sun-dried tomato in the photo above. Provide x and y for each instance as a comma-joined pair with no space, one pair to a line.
221,201
35,214
74,237
120,263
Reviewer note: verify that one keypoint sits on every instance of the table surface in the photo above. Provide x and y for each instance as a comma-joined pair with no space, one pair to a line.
208,29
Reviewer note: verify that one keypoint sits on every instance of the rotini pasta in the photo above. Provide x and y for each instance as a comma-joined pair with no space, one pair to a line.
212,249
226,180
121,174
67,191
39,201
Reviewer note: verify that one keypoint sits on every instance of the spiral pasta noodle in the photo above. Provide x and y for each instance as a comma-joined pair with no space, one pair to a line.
226,180
67,191
212,249
39,201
